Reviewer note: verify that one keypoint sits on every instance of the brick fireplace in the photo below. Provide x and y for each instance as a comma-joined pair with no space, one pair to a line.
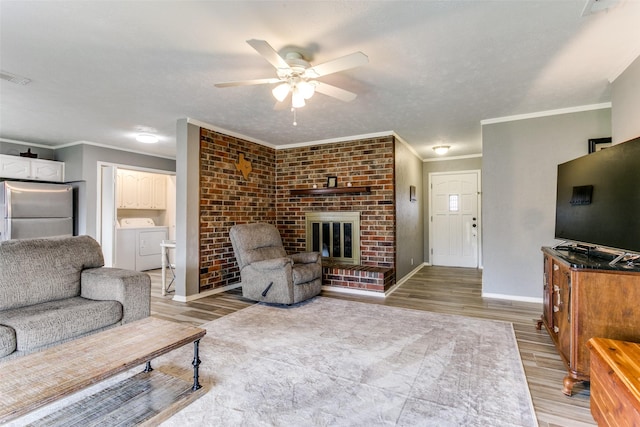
362,163
227,198
336,235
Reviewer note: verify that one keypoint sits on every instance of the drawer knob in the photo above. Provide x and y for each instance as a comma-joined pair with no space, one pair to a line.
556,329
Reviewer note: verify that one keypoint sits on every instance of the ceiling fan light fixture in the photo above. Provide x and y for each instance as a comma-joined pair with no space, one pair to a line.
146,138
307,89
281,91
297,99
441,149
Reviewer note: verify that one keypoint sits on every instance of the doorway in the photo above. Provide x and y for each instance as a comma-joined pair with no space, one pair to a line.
454,223
129,194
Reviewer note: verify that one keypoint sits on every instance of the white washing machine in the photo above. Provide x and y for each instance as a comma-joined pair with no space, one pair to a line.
138,244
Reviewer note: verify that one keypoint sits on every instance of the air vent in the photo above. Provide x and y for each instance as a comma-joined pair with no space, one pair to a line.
14,78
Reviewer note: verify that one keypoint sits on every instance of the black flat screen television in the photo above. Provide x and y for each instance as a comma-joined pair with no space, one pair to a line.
598,198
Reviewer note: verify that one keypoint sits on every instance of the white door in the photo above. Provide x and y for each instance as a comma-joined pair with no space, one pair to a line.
455,224
107,216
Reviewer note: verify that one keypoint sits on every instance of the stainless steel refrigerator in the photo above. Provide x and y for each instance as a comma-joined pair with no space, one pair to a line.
35,209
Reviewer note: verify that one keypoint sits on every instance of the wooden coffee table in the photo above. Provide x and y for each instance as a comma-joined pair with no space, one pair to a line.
32,381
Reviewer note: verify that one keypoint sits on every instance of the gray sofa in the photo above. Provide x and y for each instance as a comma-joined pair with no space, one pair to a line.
56,289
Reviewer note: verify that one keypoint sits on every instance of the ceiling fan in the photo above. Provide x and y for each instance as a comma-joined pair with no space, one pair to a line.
298,77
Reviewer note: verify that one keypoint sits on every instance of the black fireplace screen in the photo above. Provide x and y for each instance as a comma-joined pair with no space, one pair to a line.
333,239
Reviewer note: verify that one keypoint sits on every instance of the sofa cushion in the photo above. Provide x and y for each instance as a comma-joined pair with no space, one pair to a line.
47,323
7,340
33,271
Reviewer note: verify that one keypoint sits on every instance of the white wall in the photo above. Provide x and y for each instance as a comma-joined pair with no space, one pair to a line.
519,171
625,97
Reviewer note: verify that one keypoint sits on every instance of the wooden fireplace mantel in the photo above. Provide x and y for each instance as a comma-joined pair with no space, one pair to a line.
326,191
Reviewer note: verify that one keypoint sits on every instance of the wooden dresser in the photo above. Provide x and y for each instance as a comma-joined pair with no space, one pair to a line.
615,382
585,297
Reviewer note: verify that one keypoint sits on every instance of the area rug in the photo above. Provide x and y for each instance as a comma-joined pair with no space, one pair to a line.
329,362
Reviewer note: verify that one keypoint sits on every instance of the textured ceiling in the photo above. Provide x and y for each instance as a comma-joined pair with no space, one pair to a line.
101,70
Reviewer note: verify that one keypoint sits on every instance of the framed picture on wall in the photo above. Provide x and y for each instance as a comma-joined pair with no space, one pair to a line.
598,144
332,182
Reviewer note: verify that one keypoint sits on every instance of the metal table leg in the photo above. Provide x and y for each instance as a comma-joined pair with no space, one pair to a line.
196,364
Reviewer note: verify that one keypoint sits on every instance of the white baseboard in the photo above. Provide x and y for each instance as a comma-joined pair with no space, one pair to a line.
405,278
512,297
206,293
353,291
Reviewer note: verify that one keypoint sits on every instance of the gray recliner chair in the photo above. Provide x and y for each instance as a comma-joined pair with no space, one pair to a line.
270,275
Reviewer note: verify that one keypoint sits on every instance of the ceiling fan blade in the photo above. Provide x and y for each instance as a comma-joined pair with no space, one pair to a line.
268,53
335,92
248,82
353,60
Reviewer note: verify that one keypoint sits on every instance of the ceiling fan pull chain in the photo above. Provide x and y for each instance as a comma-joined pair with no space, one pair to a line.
295,122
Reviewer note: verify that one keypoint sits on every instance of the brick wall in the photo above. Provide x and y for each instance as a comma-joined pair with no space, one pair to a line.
226,198
365,162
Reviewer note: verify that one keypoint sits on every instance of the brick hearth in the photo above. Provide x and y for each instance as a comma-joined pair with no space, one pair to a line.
361,277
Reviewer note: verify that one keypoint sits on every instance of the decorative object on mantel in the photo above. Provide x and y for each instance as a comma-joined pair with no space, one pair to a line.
244,166
332,182
29,154
597,144
412,193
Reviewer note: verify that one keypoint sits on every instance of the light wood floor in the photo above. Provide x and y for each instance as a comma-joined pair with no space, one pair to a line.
441,290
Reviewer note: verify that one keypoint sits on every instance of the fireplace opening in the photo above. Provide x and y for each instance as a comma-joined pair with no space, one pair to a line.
336,235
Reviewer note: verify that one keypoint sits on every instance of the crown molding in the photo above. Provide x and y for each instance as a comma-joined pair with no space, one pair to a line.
228,132
335,140
547,113
95,144
406,144
444,159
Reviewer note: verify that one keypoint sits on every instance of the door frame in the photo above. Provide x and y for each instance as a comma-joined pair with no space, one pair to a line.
430,216
99,201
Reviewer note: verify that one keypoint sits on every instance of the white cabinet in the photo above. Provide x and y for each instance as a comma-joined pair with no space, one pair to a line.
46,170
15,167
159,191
141,190
127,189
28,168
